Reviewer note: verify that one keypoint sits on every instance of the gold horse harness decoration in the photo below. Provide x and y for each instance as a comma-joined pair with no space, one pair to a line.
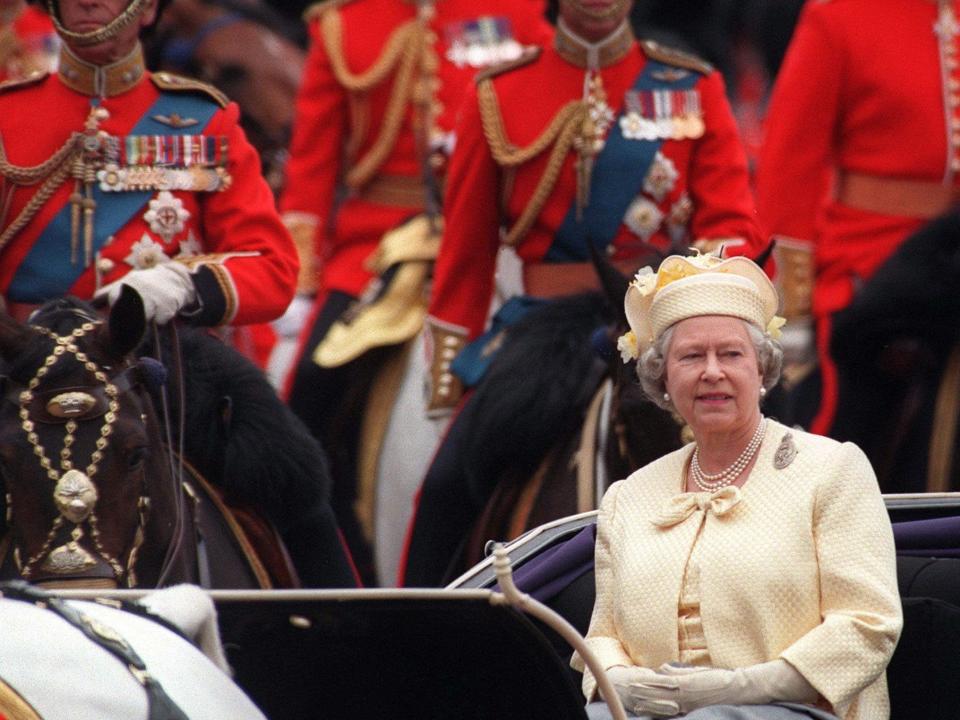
75,495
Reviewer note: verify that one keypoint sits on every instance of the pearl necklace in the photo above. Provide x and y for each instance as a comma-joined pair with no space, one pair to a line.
711,483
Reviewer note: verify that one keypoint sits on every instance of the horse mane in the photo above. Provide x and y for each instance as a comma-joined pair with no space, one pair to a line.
241,436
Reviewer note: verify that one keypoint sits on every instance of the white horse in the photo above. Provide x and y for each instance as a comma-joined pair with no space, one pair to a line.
410,439
51,669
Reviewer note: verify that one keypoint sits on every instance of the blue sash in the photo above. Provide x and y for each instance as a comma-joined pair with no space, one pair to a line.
47,270
472,362
618,174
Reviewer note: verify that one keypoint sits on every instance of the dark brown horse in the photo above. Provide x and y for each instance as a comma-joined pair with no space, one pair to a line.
93,493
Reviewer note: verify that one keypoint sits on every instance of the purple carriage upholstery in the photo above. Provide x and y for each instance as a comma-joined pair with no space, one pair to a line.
932,537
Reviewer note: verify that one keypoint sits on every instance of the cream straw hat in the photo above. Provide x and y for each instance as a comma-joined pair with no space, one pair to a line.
686,287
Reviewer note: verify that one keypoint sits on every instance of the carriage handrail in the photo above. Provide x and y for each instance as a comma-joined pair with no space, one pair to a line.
949,498
299,595
520,540
523,602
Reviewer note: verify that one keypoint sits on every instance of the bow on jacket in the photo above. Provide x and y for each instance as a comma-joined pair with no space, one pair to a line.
682,506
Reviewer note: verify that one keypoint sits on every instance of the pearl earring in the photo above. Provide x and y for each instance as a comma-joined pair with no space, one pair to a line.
763,391
666,397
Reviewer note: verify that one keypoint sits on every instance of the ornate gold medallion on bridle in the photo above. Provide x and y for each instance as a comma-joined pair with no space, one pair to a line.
75,494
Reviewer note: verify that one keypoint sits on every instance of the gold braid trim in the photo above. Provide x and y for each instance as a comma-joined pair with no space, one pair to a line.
332,32
561,133
28,175
402,53
54,171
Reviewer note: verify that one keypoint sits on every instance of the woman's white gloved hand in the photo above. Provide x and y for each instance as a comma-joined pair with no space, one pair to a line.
165,289
695,687
672,689
639,691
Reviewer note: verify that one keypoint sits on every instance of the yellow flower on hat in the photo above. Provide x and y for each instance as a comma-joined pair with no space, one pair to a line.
773,327
628,346
645,280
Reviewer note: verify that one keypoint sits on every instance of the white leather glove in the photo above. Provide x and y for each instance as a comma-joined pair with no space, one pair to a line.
291,322
165,289
190,609
631,684
684,689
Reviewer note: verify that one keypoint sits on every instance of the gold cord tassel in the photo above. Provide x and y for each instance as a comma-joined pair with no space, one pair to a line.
76,202
584,164
89,205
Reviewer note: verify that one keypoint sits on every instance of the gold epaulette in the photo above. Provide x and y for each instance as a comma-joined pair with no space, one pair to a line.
316,9
179,83
31,79
672,56
529,54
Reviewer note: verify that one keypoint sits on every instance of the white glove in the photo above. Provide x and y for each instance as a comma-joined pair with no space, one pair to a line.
684,689
291,322
190,609
631,684
165,289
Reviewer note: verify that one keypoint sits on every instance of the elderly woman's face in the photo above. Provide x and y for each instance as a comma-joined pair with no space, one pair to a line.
713,376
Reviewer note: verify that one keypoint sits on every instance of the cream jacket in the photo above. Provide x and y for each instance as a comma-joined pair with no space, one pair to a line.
801,567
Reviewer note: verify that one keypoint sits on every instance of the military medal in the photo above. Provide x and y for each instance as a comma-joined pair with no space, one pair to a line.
631,122
661,177
679,217
481,42
166,216
643,217
640,116
145,253
692,115
189,247
662,114
194,163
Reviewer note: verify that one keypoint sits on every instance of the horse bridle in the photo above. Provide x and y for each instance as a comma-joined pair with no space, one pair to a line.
75,493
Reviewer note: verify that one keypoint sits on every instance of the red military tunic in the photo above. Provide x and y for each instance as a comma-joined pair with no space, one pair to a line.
862,134
244,262
702,193
356,123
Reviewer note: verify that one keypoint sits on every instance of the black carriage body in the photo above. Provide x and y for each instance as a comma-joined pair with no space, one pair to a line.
463,653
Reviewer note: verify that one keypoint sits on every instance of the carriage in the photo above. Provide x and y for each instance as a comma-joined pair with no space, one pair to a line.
476,649
464,652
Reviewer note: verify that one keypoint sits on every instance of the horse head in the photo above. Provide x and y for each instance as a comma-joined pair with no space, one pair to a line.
80,448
